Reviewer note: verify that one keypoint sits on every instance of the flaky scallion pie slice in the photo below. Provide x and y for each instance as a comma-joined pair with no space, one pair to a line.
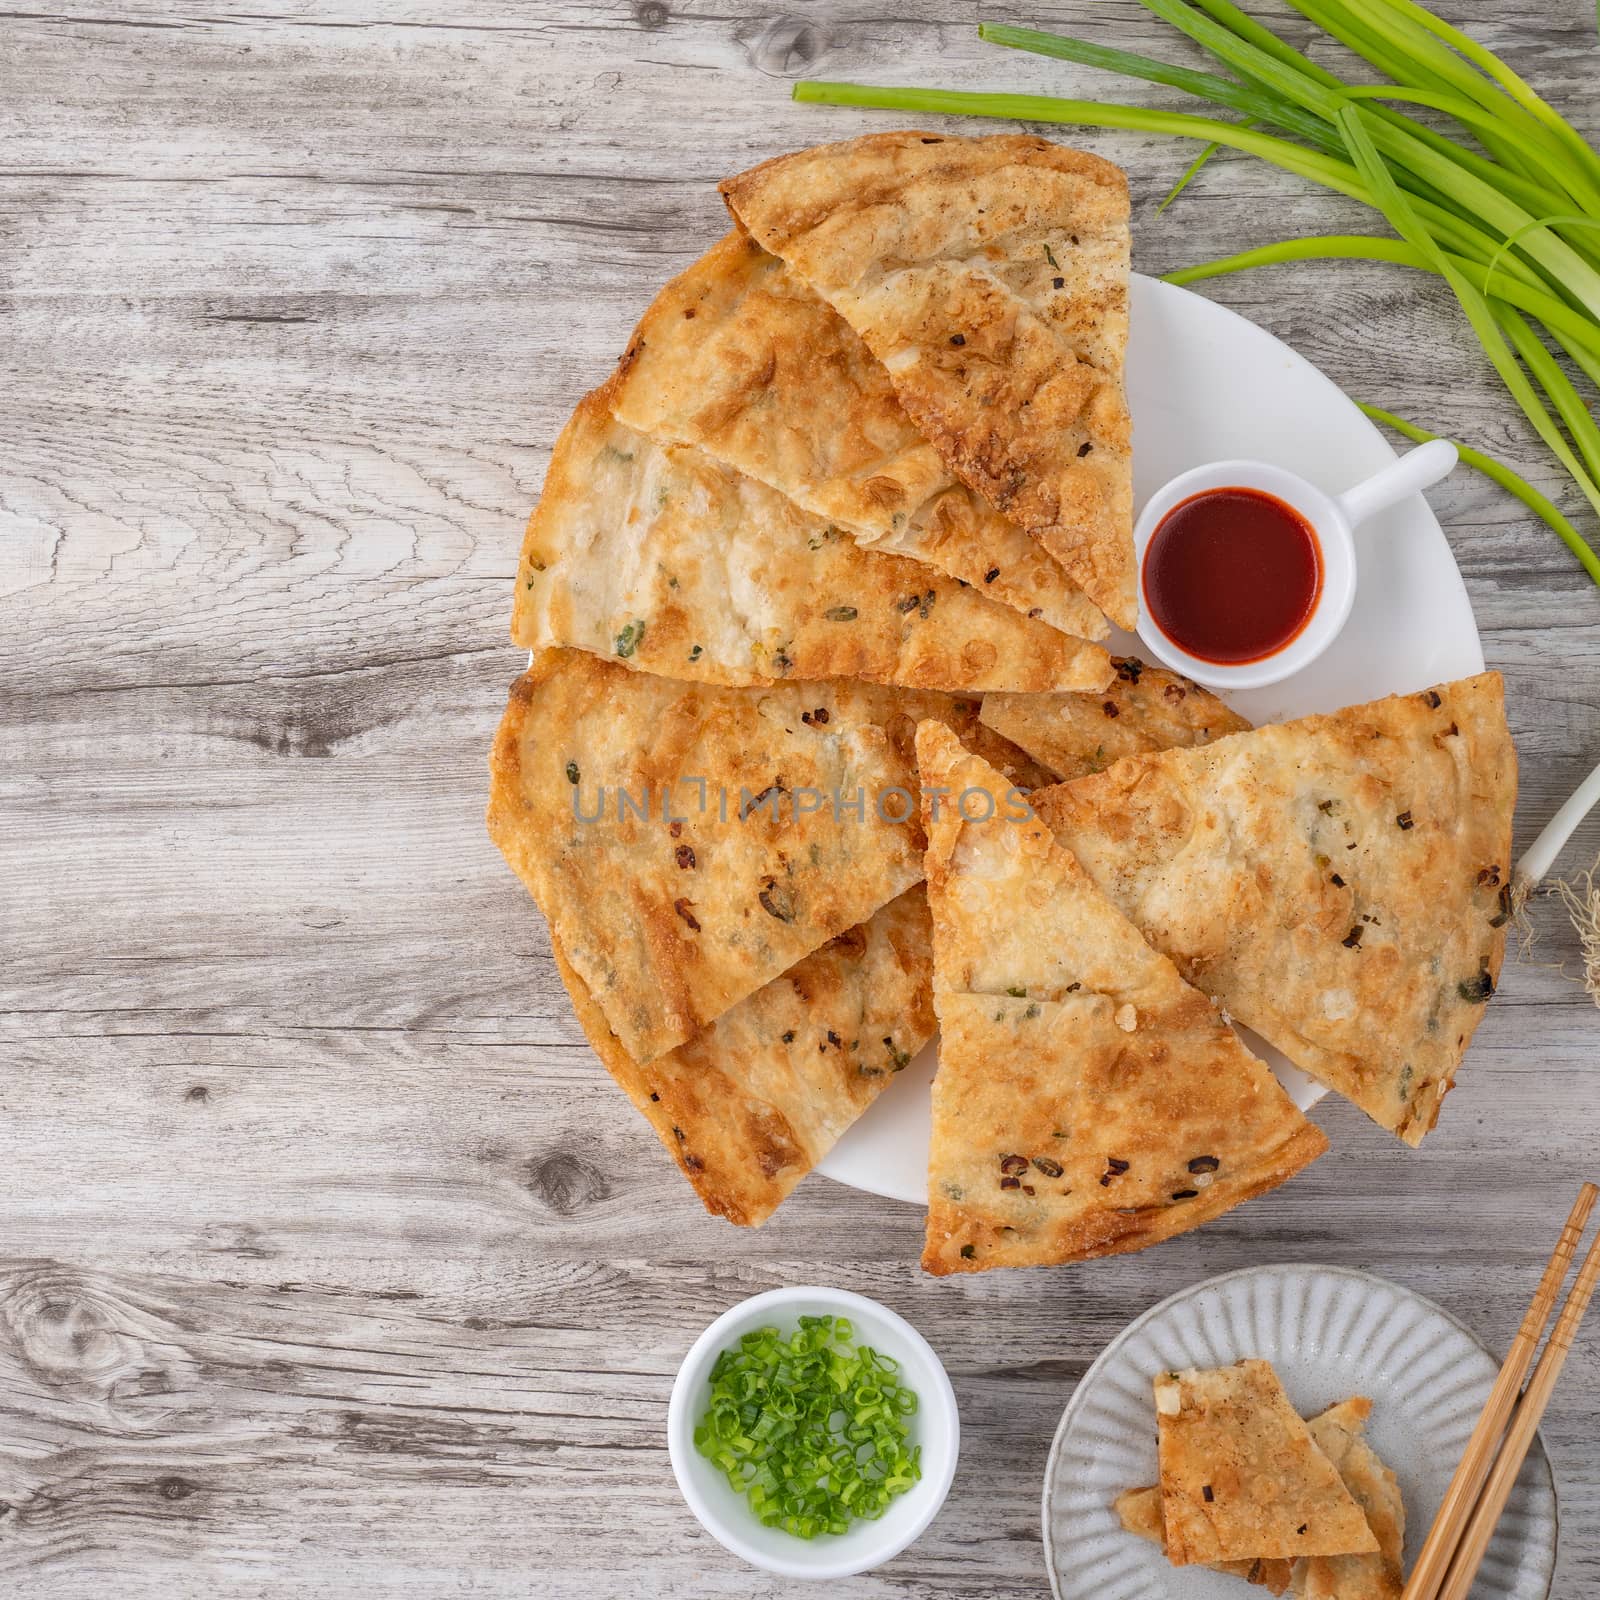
738,356
990,277
662,557
1242,1476
1340,883
1088,1101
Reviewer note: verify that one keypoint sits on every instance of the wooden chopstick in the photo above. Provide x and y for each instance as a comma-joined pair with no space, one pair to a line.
1480,1528
1445,1535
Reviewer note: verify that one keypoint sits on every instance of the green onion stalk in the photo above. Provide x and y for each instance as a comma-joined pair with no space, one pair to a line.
1496,193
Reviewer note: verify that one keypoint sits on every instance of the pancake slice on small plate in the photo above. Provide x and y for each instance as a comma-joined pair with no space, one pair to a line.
990,277
1340,884
1143,708
750,1104
1242,1477
1140,1513
1339,1434
1087,1100
1376,1575
738,356
661,557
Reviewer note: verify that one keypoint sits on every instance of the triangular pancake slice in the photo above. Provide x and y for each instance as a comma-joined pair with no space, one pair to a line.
1087,1101
683,841
1139,1511
1241,1476
659,556
990,277
1143,708
754,1101
738,356
689,844
1341,884
1338,1434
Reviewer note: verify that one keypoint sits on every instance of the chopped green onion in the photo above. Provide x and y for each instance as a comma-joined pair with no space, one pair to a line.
811,1429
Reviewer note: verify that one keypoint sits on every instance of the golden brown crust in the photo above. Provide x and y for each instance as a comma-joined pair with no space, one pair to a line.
899,712
1087,1100
670,923
1143,708
660,556
1240,1474
755,1100
1340,884
797,194
990,276
1337,1433
738,356
1139,1511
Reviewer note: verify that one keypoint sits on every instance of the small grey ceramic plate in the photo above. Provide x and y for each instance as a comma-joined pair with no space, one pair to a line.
1330,1333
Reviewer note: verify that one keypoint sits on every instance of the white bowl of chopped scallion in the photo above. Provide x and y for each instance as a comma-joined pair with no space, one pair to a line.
813,1432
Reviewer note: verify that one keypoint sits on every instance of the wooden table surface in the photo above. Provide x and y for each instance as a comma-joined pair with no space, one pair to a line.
331,1264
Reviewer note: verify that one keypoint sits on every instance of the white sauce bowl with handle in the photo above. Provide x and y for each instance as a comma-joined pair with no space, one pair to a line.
1333,519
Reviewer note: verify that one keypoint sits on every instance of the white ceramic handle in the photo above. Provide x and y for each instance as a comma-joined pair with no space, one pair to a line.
1541,855
1415,471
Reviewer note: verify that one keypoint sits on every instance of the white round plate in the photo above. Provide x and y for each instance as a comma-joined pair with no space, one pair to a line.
1330,1333
1205,385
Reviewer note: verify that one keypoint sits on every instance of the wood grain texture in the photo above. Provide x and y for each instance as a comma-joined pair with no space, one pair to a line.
330,1263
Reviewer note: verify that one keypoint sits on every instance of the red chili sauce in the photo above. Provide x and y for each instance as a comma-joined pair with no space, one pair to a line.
1232,575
